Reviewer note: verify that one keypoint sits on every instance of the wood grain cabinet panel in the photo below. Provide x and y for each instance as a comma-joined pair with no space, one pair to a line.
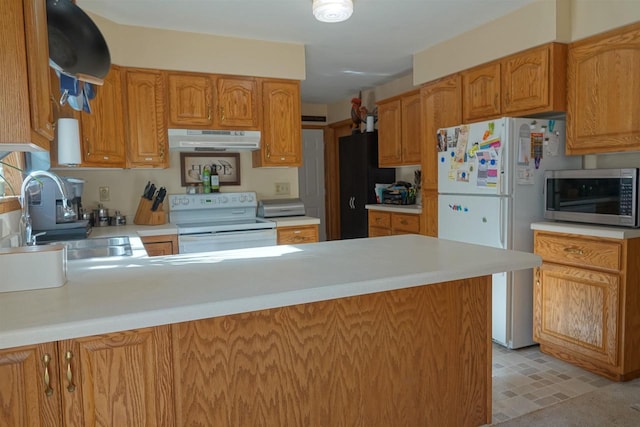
297,234
528,82
103,132
359,361
190,99
383,223
146,124
481,92
119,379
237,102
281,143
25,93
587,302
30,386
160,245
399,130
603,94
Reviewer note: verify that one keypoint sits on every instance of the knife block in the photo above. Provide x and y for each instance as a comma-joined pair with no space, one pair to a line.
145,216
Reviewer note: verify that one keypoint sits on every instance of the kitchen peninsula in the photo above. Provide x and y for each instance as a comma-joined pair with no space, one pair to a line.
373,332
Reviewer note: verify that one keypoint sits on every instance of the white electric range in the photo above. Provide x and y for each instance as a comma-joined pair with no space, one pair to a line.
219,221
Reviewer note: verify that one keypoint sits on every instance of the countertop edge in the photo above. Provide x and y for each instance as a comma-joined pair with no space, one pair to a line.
587,229
408,209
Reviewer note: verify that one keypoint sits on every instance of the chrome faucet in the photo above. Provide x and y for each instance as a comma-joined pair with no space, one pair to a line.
26,232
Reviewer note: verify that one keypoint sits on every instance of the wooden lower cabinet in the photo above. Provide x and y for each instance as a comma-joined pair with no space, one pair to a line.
587,302
160,245
410,357
297,234
383,223
117,379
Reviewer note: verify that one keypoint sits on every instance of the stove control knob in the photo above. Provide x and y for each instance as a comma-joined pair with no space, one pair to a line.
224,199
250,197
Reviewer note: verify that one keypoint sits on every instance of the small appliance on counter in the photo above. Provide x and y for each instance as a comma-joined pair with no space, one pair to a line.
274,208
47,215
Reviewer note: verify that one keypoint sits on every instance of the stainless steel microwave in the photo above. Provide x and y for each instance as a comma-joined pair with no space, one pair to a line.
594,196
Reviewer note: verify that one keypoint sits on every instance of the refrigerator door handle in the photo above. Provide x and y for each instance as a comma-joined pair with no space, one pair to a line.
503,203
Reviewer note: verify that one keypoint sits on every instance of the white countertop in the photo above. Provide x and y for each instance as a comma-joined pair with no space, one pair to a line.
587,229
134,230
410,209
120,293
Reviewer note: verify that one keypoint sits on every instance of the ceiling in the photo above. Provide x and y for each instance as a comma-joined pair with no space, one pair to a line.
373,47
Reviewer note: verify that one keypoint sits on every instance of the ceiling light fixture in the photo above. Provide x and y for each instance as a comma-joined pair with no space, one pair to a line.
332,10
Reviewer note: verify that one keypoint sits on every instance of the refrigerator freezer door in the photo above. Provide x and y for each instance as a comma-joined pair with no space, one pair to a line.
472,159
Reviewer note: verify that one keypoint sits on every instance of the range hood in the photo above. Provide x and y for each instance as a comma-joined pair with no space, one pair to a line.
213,140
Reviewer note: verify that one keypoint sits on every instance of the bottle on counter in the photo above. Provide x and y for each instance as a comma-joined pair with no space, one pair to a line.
215,179
206,179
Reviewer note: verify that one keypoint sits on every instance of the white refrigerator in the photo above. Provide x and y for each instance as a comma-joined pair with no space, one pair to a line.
490,185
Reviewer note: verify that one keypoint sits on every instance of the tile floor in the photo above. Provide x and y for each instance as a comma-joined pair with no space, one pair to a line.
526,380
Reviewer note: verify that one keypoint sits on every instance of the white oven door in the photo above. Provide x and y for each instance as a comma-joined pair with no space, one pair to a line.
223,241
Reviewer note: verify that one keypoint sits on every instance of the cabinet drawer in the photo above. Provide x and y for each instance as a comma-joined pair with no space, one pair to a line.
575,250
379,231
405,222
379,219
297,235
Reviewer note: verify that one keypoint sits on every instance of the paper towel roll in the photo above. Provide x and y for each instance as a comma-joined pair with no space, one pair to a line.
369,123
69,142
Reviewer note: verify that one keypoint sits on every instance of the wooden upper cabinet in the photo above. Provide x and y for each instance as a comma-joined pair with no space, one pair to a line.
237,102
481,92
281,143
190,100
103,140
528,82
26,109
30,386
146,129
603,93
390,133
208,101
534,81
399,132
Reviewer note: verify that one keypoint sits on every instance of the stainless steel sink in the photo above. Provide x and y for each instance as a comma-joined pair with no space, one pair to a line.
97,247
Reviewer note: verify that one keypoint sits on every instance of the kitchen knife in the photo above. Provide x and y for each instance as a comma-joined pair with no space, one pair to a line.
146,189
159,199
151,192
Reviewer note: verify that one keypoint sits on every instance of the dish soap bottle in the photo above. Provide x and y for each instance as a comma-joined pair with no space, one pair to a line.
206,179
215,179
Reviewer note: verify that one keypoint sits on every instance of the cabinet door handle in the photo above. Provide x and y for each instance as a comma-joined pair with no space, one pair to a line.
209,112
404,222
222,114
70,386
46,359
573,251
268,151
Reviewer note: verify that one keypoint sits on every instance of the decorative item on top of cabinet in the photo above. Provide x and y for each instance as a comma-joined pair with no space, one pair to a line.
146,129
73,383
587,302
294,235
103,140
383,223
281,143
399,123
441,103
25,91
525,83
603,95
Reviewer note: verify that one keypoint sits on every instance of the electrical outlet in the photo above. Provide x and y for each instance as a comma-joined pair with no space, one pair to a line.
282,189
104,194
